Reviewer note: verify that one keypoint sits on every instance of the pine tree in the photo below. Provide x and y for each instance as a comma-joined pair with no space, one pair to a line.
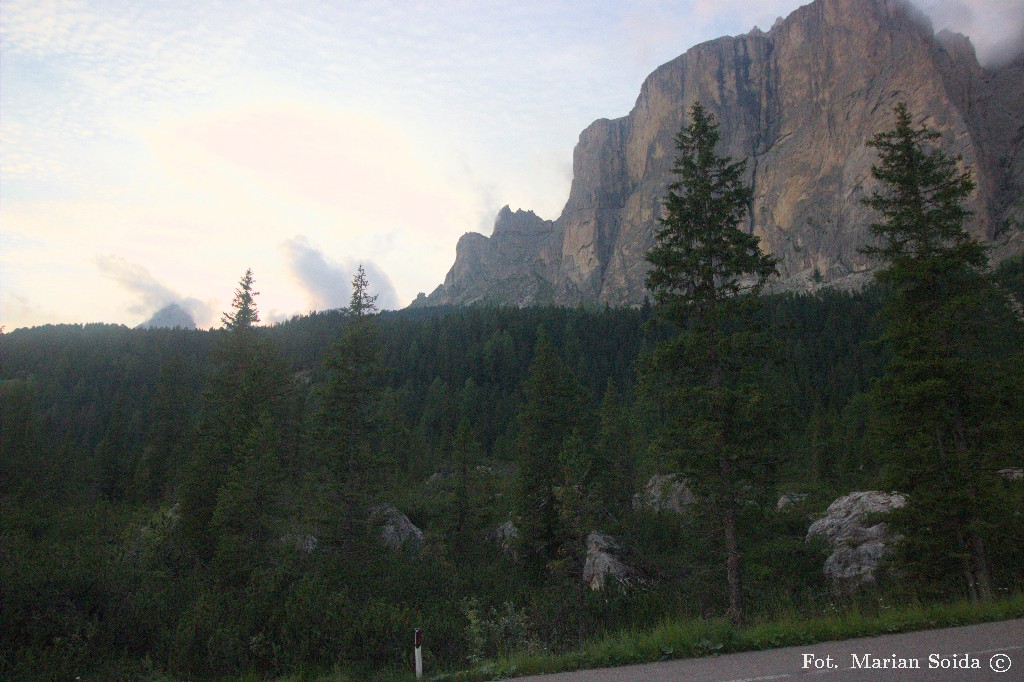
580,507
343,432
466,452
934,401
361,303
247,509
250,378
243,314
704,276
613,457
550,412
702,260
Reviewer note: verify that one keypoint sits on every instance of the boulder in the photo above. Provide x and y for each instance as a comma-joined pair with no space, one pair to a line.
1012,473
303,543
505,536
664,492
397,532
857,544
602,566
790,499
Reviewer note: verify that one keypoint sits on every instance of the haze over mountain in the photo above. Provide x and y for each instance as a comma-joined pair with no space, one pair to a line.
172,316
799,101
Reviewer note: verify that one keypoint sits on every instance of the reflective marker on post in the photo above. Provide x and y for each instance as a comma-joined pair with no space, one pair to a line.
418,638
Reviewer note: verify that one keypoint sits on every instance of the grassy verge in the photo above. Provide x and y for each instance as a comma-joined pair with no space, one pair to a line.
695,638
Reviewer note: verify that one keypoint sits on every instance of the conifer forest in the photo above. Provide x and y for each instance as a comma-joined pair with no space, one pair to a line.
267,499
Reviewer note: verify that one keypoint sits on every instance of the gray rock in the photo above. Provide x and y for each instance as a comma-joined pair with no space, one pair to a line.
1012,473
664,492
790,499
303,543
171,316
505,536
397,532
602,566
857,548
799,101
438,478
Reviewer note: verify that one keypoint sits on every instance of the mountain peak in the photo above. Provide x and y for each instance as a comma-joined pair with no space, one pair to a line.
798,102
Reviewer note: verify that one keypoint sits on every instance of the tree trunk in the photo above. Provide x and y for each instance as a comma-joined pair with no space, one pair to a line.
732,565
980,561
580,600
965,563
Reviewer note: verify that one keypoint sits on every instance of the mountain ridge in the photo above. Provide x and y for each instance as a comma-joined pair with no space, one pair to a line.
798,101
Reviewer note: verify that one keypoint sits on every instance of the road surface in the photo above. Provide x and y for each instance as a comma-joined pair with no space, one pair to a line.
991,651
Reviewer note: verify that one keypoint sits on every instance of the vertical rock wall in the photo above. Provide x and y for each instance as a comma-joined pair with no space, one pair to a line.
799,102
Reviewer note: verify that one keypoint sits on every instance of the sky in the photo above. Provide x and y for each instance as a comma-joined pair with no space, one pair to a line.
151,152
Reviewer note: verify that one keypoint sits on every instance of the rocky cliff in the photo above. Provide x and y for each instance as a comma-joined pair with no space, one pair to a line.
799,102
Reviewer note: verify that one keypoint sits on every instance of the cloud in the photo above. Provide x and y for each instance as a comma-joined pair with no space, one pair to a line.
995,27
135,278
328,284
24,311
153,295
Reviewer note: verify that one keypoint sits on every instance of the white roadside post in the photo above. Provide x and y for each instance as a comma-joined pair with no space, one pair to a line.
418,638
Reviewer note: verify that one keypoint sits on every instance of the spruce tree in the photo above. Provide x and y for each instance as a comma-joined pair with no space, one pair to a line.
361,303
550,412
580,507
250,378
934,399
704,275
466,453
243,314
701,259
344,425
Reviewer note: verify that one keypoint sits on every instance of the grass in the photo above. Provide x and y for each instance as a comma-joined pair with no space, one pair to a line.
698,637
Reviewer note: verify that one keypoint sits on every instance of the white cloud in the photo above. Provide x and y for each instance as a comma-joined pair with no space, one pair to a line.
195,137
149,293
328,284
995,27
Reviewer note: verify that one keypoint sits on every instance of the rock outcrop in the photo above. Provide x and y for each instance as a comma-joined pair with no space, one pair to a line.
857,547
664,492
397,532
172,316
790,499
602,566
799,102
505,536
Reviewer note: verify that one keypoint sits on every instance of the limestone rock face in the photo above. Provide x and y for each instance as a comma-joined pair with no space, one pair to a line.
664,492
397,532
505,536
172,316
602,566
514,266
857,547
799,102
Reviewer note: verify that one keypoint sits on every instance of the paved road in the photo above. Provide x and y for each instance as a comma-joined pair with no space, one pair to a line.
937,652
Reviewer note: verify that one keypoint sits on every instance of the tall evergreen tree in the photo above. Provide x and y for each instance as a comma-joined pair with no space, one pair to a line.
343,431
247,507
702,260
934,398
550,412
582,504
613,457
250,378
466,453
243,314
361,303
705,272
